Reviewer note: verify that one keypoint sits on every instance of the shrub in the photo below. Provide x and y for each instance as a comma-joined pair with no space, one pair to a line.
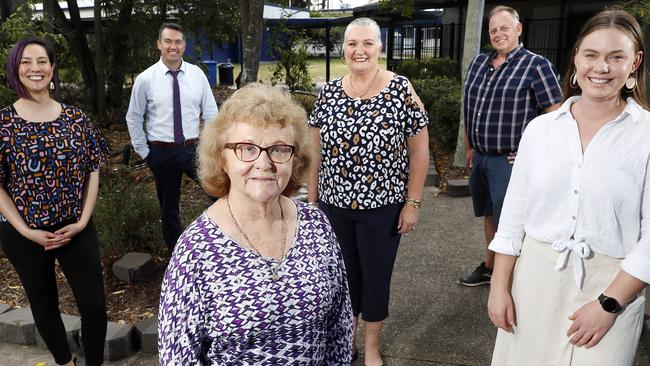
441,98
289,46
429,69
127,214
20,25
306,100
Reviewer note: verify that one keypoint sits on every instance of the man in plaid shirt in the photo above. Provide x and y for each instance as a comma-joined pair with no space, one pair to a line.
504,90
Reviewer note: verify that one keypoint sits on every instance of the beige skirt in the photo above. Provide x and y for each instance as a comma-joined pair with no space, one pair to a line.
545,298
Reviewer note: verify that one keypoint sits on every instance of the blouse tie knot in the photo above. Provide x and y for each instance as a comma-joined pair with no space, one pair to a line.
580,251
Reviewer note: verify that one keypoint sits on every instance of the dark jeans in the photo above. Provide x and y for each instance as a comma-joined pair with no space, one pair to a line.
488,182
81,265
168,163
369,241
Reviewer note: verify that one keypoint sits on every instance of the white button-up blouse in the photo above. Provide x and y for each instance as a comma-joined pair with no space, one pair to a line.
599,197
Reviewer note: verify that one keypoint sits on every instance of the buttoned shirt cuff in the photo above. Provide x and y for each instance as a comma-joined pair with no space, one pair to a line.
637,264
507,244
142,150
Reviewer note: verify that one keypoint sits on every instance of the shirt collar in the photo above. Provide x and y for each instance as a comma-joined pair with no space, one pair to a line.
510,54
632,109
566,106
162,68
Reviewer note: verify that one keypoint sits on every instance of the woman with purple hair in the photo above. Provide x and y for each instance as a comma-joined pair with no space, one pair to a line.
50,155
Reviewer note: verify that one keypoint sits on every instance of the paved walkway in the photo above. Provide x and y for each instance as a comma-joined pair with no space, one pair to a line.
434,321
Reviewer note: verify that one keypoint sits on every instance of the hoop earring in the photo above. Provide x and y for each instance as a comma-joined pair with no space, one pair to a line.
52,85
343,60
573,81
630,83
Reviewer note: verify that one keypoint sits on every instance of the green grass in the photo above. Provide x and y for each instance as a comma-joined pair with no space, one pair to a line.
316,69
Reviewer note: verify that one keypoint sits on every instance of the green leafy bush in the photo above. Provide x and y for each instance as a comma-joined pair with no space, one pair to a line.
289,46
127,214
21,25
16,27
429,69
441,98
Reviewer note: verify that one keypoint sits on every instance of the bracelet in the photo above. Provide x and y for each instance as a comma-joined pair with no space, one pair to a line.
413,202
313,204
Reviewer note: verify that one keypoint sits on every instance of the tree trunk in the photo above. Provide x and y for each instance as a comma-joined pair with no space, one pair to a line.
100,56
163,11
75,36
120,58
473,24
252,23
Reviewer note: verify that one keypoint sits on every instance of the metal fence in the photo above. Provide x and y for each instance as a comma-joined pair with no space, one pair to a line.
551,38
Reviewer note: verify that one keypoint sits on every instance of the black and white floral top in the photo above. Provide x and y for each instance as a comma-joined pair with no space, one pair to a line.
364,155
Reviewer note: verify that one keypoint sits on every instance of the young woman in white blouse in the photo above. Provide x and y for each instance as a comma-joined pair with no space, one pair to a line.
573,244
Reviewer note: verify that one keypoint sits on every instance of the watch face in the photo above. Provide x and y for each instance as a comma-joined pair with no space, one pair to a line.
609,304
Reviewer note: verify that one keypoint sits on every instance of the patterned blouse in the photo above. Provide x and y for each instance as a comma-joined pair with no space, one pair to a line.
43,165
364,154
219,305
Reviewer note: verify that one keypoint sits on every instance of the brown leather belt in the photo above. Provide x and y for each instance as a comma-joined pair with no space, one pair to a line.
173,144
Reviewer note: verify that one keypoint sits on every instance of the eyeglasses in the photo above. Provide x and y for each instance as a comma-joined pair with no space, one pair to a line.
248,152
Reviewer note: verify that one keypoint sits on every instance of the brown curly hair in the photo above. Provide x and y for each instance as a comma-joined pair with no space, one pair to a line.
260,106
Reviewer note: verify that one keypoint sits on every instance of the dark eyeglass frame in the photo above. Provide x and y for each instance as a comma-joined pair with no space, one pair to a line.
234,147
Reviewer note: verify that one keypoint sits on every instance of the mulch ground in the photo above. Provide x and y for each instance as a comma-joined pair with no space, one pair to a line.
133,302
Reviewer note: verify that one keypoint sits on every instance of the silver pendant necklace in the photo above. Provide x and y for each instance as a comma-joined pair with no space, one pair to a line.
273,268
359,96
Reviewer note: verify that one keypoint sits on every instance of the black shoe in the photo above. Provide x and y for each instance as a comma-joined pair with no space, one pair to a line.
480,276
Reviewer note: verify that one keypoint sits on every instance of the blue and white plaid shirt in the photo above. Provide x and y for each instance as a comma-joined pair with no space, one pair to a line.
499,103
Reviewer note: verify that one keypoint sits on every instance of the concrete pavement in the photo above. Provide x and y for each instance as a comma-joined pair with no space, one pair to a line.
17,355
433,321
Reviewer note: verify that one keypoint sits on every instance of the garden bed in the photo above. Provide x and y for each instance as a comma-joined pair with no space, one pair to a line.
133,302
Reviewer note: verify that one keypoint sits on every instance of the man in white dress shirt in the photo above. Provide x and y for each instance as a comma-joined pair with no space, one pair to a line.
167,102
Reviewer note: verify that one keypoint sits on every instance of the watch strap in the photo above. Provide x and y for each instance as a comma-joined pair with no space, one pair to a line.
609,304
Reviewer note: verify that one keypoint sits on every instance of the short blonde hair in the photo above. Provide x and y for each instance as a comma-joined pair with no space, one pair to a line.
260,106
500,8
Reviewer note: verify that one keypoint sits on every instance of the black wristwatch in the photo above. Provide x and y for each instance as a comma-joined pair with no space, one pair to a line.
609,304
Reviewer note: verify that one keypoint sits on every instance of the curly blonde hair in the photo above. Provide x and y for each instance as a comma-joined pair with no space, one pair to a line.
260,106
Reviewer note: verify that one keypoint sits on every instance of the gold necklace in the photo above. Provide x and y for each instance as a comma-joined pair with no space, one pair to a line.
273,268
359,96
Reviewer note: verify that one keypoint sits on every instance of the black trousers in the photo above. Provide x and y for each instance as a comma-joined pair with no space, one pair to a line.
168,163
369,241
81,265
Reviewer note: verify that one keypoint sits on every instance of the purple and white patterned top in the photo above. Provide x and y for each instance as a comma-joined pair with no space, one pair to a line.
219,305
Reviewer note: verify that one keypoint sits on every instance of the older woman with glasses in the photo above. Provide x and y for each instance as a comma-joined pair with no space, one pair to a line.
258,278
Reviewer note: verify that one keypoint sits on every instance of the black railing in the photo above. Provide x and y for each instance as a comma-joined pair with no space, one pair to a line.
551,38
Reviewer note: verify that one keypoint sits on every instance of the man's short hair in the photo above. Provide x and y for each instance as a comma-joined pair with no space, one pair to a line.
500,8
174,26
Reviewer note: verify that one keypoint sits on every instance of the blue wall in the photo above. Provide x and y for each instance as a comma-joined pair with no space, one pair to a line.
232,51
221,53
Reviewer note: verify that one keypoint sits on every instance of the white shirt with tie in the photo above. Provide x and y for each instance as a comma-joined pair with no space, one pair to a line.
558,194
152,101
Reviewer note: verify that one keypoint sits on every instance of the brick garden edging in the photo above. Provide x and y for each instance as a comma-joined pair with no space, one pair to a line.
122,340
